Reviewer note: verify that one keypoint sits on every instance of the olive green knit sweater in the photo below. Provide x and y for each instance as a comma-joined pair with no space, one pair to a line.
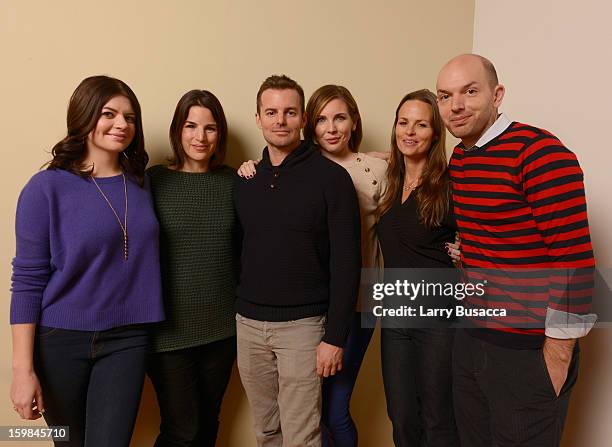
199,256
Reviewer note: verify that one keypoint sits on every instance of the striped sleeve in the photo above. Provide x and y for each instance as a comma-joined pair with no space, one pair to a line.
553,186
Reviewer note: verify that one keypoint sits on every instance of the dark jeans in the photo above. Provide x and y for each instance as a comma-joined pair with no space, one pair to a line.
337,426
92,381
416,366
190,384
504,397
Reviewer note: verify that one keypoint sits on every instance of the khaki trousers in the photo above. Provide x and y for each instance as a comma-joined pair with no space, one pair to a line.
277,364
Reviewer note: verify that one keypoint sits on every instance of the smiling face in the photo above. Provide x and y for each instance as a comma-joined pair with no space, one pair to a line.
413,130
115,128
280,118
333,127
199,139
468,98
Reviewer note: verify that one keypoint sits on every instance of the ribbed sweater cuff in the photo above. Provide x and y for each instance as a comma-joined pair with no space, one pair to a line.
336,334
279,313
78,320
25,309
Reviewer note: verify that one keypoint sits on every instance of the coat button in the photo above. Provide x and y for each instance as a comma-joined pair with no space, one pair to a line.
374,182
358,158
367,169
276,175
272,185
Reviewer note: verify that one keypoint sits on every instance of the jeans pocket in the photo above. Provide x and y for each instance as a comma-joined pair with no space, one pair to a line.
547,378
242,323
45,331
318,320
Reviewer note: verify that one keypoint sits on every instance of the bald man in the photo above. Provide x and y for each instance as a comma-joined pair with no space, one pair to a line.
519,201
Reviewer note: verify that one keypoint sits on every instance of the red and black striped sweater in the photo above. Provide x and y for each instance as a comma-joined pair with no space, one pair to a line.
520,207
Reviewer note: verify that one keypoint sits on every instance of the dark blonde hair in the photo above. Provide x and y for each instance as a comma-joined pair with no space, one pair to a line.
84,111
197,98
432,195
317,102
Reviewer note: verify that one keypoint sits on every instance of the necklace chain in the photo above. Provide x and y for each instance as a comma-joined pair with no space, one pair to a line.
411,186
123,224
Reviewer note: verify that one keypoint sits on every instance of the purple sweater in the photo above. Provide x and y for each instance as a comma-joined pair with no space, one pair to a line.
69,271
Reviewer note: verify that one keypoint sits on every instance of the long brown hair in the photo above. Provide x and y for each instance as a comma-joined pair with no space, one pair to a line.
317,102
433,192
198,98
84,110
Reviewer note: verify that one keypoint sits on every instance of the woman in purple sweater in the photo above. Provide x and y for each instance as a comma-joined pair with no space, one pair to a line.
86,273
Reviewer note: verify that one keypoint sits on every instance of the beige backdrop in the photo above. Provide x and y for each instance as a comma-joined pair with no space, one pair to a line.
379,50
554,58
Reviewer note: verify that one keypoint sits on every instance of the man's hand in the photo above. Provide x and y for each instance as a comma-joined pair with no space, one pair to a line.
557,356
329,359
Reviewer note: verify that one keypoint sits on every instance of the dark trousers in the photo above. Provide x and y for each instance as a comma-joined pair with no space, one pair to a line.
504,397
190,384
337,425
92,382
417,377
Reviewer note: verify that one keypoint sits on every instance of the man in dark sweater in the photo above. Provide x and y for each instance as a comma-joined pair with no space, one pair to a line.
300,272
520,206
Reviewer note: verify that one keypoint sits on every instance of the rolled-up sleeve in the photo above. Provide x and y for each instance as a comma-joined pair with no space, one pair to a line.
554,189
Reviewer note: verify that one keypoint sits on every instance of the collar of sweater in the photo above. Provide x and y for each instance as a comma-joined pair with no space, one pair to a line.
301,153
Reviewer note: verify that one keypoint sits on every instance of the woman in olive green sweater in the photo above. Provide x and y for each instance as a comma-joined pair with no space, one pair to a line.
195,348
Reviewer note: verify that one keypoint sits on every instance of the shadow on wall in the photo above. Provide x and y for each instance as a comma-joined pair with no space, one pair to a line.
238,150
368,405
593,377
147,424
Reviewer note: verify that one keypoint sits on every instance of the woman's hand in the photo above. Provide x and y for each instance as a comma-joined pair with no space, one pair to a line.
382,155
26,394
247,169
454,249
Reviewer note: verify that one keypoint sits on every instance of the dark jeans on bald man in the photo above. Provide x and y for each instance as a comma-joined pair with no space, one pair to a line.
504,397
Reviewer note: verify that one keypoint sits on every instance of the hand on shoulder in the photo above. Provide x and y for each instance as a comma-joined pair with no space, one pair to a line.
248,169
380,155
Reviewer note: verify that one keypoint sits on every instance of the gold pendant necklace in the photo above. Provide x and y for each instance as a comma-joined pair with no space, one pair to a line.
124,224
411,186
